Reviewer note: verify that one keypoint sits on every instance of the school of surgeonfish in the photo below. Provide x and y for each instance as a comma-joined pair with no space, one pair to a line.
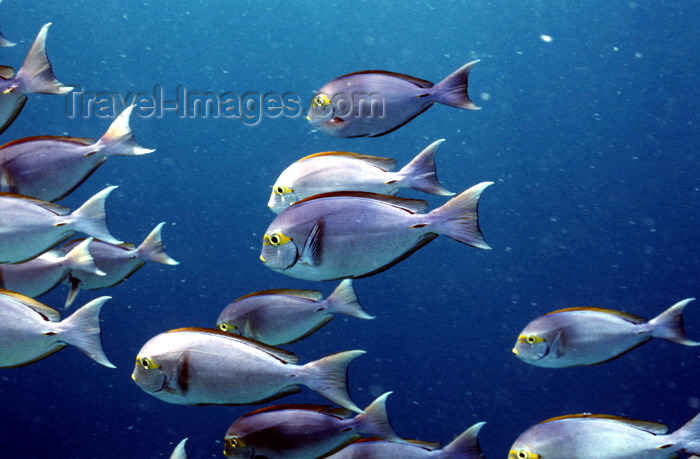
338,218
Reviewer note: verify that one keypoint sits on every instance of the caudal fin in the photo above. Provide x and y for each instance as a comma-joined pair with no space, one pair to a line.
453,89
82,330
36,73
91,218
420,174
5,43
688,436
375,421
329,377
153,249
458,218
119,140
79,258
669,324
344,300
467,444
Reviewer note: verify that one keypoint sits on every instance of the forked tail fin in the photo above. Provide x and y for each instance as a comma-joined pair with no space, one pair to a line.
458,218
453,89
82,330
329,377
36,74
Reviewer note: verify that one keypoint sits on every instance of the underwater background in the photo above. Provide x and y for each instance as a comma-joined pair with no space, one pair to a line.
589,128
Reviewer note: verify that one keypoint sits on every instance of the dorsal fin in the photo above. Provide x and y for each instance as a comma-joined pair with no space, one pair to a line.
386,164
325,409
417,81
313,295
51,207
652,427
281,354
57,138
48,313
623,315
415,206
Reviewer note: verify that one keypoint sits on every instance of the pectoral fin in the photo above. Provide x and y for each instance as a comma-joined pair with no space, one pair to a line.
180,377
556,349
311,254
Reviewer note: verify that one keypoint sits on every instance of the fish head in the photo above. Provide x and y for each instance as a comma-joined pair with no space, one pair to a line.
321,109
281,197
531,346
279,252
148,374
236,447
522,453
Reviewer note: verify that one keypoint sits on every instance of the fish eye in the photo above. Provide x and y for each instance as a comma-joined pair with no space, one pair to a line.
282,190
274,239
147,363
530,339
224,326
236,442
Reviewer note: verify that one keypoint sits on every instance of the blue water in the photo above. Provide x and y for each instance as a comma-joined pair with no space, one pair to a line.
591,139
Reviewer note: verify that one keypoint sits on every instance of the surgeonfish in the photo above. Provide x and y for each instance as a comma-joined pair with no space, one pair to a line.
587,336
374,102
35,76
50,167
351,234
200,366
179,452
344,171
116,262
41,274
596,436
304,431
31,331
465,446
29,226
284,316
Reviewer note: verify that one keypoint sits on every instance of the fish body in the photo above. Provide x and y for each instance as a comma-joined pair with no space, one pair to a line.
587,336
349,234
465,446
31,331
284,316
374,102
41,274
304,431
594,436
197,366
116,262
29,227
50,167
344,171
35,76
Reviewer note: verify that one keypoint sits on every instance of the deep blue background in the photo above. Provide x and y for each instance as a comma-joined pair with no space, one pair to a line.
592,140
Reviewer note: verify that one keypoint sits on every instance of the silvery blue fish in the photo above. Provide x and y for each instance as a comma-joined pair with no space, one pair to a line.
199,366
595,436
179,452
344,171
375,102
31,331
41,274
465,446
284,316
35,76
29,226
587,336
350,234
304,431
116,262
50,167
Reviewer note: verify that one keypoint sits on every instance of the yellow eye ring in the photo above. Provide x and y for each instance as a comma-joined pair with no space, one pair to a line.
275,239
225,326
282,190
147,363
